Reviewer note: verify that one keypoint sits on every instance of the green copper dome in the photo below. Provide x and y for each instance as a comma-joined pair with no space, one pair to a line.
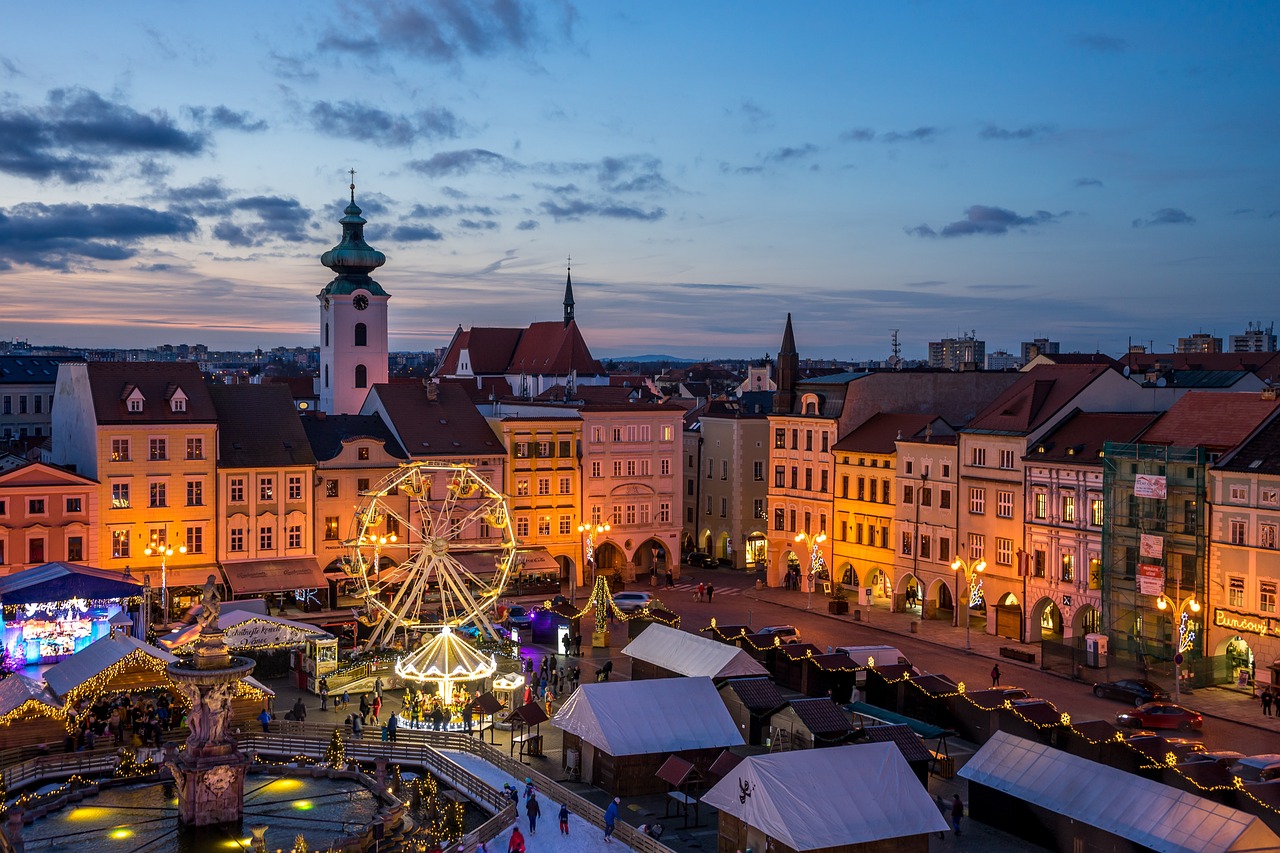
353,259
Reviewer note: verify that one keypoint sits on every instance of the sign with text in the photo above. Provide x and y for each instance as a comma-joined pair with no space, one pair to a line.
1245,623
1150,579
1151,546
1150,486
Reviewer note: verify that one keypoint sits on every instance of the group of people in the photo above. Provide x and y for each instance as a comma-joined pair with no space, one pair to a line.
142,720
791,580
704,591
549,680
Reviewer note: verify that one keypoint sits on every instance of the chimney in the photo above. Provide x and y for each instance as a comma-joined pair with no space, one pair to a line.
432,389
1268,393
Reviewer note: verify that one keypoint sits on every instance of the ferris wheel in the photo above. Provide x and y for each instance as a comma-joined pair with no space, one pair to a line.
432,545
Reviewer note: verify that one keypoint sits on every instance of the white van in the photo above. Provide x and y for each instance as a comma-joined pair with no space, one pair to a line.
874,655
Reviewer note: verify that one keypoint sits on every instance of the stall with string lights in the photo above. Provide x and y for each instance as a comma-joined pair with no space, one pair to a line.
52,611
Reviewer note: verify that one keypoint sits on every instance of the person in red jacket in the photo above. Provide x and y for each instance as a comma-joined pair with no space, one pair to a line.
516,845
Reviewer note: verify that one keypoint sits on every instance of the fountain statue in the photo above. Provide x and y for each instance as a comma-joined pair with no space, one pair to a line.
209,773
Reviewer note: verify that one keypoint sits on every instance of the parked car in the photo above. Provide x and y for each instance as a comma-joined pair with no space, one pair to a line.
519,617
1181,748
786,633
1135,691
630,602
698,558
1257,768
1225,757
1160,715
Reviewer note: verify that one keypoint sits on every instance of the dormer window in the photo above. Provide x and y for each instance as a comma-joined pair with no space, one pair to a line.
178,401
134,400
135,405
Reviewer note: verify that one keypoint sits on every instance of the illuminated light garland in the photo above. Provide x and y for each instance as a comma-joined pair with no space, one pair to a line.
81,604
97,684
1186,634
34,708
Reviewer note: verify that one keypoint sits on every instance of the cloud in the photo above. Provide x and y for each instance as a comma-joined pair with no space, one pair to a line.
923,284
64,236
634,173
789,153
292,68
435,211
225,118
352,120
9,69
456,163
416,233
754,117
1165,216
576,209
920,134
527,225
1087,182
448,30
75,135
209,189
1099,43
478,225
981,219
858,134
1031,131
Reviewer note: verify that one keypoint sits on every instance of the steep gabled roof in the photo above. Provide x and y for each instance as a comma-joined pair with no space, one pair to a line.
31,474
553,349
1212,420
1260,454
111,382
449,425
878,433
259,427
1080,436
1036,397
327,433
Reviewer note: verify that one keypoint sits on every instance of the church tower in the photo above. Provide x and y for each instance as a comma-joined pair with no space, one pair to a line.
568,296
784,399
353,319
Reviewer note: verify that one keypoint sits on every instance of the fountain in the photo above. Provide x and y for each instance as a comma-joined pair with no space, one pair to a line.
209,774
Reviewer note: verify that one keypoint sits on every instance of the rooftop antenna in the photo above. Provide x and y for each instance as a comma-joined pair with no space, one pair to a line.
896,348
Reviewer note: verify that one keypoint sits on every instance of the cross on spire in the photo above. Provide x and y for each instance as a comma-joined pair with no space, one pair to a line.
352,173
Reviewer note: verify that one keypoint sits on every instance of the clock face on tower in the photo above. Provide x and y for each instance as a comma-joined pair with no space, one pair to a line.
360,302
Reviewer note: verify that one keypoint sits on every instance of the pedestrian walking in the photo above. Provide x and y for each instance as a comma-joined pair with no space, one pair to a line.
516,844
995,675
671,580
942,807
468,714
346,699
357,726
710,592
324,694
377,707
551,697
377,687
564,818
957,812
364,707
1267,698
533,811
610,819
566,643
393,727
577,645
265,719
702,588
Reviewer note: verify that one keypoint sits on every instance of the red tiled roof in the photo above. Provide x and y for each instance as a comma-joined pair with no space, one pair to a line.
1037,395
1209,419
450,425
878,433
1081,436
490,350
553,349
1265,364
110,382
1261,453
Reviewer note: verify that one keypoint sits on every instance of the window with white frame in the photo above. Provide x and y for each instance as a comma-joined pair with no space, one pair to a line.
267,489
1004,551
597,434
566,525
1006,459
1040,504
566,485
1267,596
522,488
159,493
544,486
1269,497
664,466
615,513
617,467
1239,494
1004,504
195,448
119,450
595,470
266,539
159,450
906,542
522,527
1239,530
1267,536
544,525
645,511
1068,508
295,536
119,495
1068,568
977,500
235,542
120,543
596,514
664,513
195,540
1096,511
979,457
977,547
1235,592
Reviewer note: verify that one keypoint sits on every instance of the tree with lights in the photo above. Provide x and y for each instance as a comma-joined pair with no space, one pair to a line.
335,754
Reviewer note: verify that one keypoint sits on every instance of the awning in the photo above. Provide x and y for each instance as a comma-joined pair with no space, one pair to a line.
175,578
250,577
53,582
537,560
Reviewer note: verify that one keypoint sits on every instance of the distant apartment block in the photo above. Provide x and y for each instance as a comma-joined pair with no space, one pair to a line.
1038,346
1001,360
1254,339
964,352
1199,342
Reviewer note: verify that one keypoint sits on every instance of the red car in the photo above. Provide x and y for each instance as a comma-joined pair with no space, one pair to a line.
1160,715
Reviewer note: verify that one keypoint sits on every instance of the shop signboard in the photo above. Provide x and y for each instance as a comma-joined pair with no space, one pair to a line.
1150,579
1150,486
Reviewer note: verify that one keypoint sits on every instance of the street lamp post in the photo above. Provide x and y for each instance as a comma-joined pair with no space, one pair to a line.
815,560
588,553
970,571
1186,633
165,551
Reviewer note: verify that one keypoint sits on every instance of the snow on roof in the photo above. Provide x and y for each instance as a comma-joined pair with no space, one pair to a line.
17,690
653,715
689,654
65,676
789,796
244,629
1139,810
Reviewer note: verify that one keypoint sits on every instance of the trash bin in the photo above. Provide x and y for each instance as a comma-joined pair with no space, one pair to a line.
759,584
915,627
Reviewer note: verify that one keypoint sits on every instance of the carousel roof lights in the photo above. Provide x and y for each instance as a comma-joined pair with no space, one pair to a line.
446,658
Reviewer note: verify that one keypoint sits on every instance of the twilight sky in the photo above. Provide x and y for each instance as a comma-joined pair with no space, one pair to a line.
1090,172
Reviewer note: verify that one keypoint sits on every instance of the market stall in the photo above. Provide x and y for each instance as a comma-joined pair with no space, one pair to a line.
52,611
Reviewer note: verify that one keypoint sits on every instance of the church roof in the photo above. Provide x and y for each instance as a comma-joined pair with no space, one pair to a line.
258,426
449,425
353,259
543,349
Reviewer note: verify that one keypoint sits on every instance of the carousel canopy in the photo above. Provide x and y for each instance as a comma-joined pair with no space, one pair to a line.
688,654
96,658
244,629
446,657
17,690
62,581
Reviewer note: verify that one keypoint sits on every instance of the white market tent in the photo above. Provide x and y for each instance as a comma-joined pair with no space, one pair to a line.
243,630
1139,810
791,796
689,654
17,690
650,716
96,658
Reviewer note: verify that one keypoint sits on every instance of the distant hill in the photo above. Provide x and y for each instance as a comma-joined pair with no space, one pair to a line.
667,358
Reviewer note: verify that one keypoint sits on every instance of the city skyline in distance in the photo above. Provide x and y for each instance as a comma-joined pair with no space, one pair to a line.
1088,174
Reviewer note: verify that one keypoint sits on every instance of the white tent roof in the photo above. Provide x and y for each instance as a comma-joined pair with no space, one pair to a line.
245,629
1140,810
65,676
653,715
689,654
17,690
791,796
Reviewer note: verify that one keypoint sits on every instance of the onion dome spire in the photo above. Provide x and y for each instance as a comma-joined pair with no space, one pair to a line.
353,259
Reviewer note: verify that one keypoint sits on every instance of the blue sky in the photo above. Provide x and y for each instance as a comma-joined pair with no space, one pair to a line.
1089,172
